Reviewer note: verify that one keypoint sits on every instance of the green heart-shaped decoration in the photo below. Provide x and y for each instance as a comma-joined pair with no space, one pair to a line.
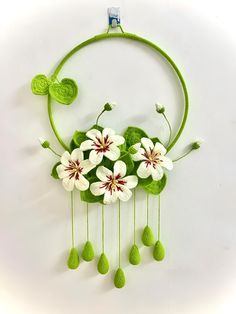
40,85
64,92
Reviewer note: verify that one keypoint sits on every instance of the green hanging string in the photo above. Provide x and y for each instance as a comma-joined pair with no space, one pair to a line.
134,216
102,228
147,236
119,231
147,208
103,264
159,250
88,252
73,260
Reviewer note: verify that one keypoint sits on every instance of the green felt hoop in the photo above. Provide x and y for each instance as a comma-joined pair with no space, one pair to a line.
132,37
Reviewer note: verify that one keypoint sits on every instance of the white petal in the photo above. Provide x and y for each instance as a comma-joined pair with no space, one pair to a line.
139,155
108,132
157,173
160,148
97,188
87,166
117,139
93,134
82,184
120,169
86,145
77,154
68,184
102,173
65,158
166,162
131,181
124,195
144,170
95,157
147,143
113,153
61,172
110,197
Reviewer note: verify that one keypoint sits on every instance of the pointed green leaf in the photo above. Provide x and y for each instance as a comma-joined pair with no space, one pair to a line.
54,173
119,279
103,264
156,187
147,236
88,253
127,159
73,260
159,251
134,255
133,135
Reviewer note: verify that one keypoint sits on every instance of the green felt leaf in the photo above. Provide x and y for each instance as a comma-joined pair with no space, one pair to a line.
73,260
127,159
103,264
159,251
156,187
40,85
147,236
97,127
79,137
64,92
54,173
155,140
123,147
133,135
119,279
134,255
88,252
87,196
144,182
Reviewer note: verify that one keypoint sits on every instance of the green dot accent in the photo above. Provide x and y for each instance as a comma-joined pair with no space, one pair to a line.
159,251
147,236
73,260
134,255
40,85
88,252
64,92
103,264
119,279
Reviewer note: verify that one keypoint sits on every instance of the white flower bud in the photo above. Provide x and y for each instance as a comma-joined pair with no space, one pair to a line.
160,108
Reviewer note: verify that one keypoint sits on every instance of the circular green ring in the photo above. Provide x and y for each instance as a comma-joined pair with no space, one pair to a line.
136,38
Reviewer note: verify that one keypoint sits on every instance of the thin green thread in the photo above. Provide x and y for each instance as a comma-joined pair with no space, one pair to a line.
147,209
72,218
159,218
108,35
134,216
119,232
53,151
103,229
87,214
100,114
184,155
170,129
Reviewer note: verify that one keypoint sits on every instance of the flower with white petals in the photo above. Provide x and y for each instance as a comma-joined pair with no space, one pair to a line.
153,159
114,184
72,169
101,144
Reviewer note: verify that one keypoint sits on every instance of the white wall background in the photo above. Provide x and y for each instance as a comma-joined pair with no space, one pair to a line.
198,220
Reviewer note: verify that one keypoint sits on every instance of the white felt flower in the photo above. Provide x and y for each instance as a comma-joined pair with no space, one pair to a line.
153,159
101,144
72,169
114,184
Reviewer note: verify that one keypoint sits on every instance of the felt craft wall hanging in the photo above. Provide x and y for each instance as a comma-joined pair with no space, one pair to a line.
105,167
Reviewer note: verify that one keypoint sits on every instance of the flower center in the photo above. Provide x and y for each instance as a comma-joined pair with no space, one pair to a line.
152,158
74,169
114,183
102,144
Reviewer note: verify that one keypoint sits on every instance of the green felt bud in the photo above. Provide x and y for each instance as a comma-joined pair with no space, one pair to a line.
108,107
147,236
64,92
119,279
103,264
159,251
40,85
196,145
160,108
44,143
88,253
73,260
134,255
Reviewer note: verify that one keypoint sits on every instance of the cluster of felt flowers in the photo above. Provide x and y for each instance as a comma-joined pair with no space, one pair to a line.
97,165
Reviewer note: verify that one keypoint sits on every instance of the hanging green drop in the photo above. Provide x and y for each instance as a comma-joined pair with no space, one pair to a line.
119,279
103,264
159,251
73,260
147,236
88,252
134,255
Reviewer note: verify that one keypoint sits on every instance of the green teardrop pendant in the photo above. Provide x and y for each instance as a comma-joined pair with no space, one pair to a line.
103,264
119,279
73,260
88,253
159,251
147,236
134,255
